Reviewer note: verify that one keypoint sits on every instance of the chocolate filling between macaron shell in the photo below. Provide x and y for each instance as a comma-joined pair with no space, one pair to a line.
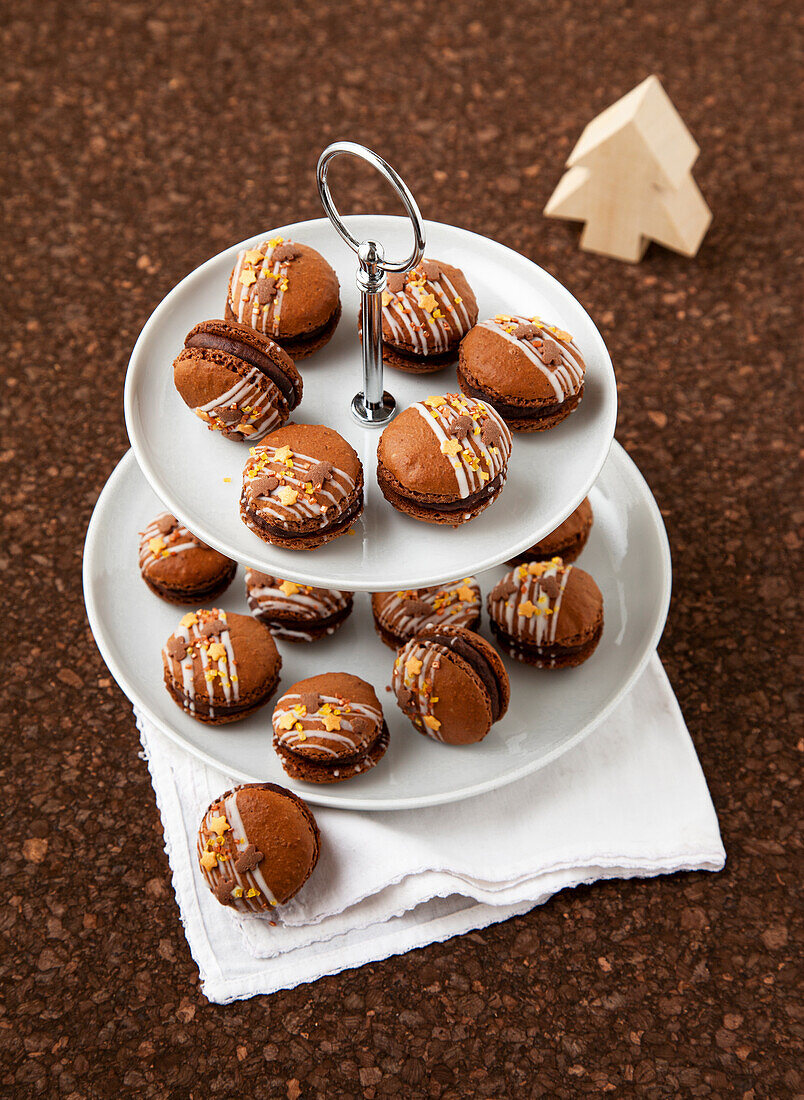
431,505
242,350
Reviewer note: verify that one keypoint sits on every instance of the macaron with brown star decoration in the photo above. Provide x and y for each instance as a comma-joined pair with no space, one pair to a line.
294,611
400,615
257,846
547,614
444,460
451,684
288,291
237,381
178,567
532,372
220,667
426,313
329,728
302,487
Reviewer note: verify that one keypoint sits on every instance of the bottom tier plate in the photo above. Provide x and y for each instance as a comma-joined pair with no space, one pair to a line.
550,712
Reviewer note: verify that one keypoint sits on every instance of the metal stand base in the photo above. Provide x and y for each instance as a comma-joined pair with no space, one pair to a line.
373,415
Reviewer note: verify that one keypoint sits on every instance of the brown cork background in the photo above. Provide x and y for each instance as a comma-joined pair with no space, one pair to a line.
139,139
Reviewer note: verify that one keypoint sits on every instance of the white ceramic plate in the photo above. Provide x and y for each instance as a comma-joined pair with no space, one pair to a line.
550,712
549,474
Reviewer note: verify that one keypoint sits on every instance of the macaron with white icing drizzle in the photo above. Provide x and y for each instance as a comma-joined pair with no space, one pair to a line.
287,291
302,487
444,459
257,846
178,567
531,371
426,313
220,667
401,614
329,728
547,614
294,611
236,381
451,684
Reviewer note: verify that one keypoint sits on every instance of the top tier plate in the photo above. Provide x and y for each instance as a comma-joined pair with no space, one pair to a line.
197,473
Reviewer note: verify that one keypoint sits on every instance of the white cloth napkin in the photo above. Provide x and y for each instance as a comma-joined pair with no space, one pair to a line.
630,801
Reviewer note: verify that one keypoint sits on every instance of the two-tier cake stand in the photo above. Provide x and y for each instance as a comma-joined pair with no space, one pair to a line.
176,463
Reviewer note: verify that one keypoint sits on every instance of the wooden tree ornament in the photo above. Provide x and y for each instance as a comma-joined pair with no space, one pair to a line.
629,179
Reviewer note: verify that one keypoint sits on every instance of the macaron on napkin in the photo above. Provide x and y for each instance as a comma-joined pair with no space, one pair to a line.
630,801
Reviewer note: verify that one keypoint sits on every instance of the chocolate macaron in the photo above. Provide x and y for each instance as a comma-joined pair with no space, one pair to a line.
179,567
220,667
426,313
547,614
293,611
530,371
257,846
451,683
444,460
400,615
565,542
239,382
287,291
302,487
329,728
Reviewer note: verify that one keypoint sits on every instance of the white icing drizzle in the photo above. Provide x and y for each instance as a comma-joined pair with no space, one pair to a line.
475,464
222,671
541,625
566,377
420,683
243,300
408,321
306,505
312,730
176,541
447,608
257,397
234,842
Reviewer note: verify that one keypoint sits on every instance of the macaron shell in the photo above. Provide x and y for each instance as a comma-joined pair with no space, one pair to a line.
581,610
504,368
313,293
395,620
282,827
444,288
256,667
318,442
279,828
411,454
486,651
356,725
309,302
239,340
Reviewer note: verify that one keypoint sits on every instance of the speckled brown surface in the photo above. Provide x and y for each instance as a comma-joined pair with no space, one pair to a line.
142,138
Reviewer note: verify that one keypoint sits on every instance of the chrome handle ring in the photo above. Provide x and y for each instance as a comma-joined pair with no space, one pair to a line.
352,148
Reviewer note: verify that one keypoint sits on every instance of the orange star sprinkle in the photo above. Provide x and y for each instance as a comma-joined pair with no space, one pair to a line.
451,447
219,824
286,495
528,609
413,666
466,593
431,721
286,720
331,722
208,860
290,588
254,256
283,454
247,278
